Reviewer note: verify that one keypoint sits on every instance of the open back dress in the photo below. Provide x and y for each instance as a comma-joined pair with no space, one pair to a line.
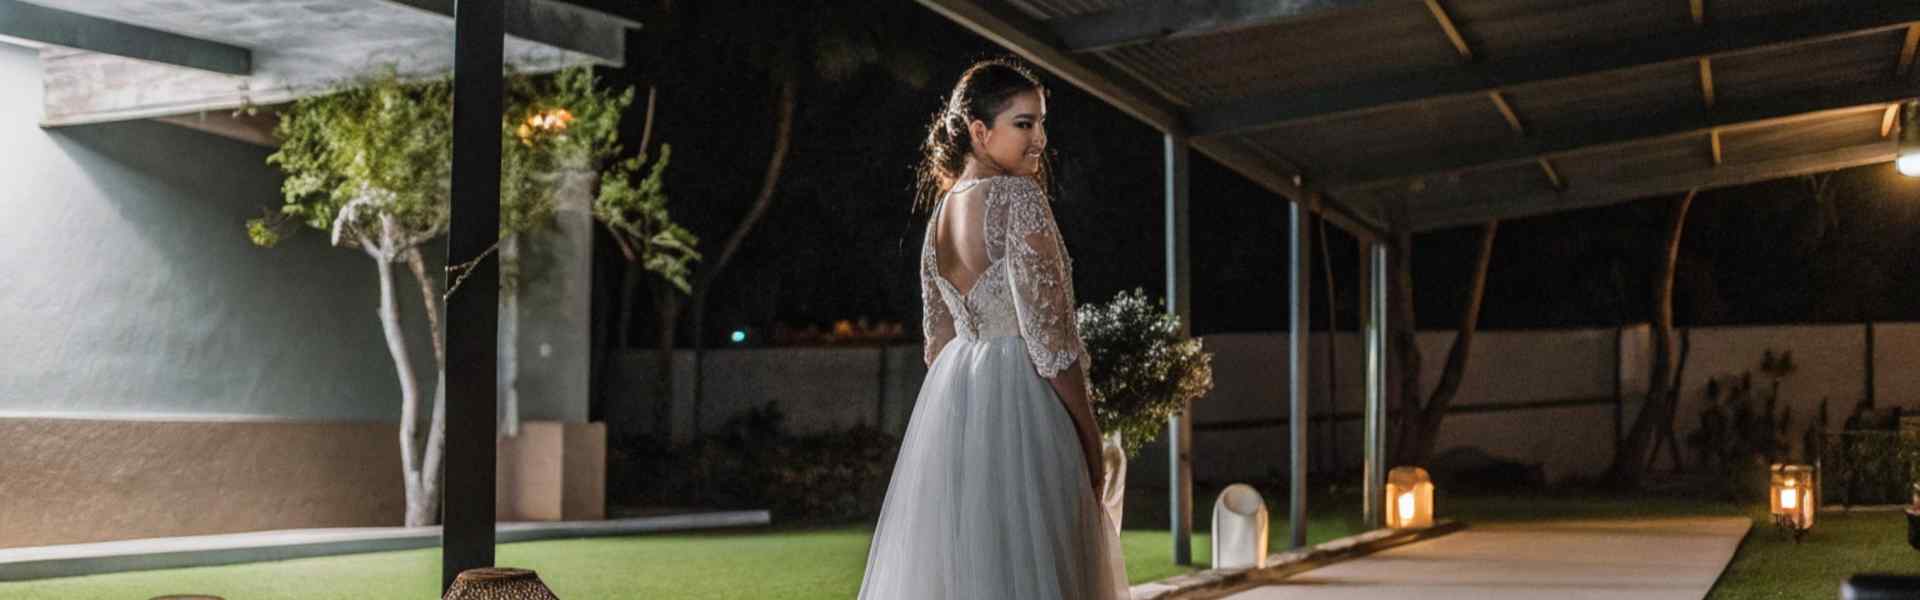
990,496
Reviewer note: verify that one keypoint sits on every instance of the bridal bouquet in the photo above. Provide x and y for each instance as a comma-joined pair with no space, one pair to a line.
1143,370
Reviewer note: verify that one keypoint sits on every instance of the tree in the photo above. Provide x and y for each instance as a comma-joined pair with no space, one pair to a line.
793,44
1633,455
1417,426
634,211
371,165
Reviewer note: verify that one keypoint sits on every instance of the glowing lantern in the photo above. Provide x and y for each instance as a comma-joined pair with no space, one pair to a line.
1791,496
1409,498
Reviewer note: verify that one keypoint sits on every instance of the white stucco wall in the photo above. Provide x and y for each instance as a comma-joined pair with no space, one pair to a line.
128,286
1830,365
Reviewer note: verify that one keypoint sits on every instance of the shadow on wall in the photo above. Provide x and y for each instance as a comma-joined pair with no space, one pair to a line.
155,301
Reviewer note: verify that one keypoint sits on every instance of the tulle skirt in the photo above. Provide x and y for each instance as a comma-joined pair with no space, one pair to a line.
989,498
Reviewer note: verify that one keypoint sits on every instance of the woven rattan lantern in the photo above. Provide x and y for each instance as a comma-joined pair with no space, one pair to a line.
1409,498
498,584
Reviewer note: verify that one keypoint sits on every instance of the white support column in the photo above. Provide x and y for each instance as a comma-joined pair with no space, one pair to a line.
1373,281
1298,268
1180,303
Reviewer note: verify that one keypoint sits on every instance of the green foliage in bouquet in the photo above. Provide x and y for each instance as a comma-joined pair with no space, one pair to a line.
1144,371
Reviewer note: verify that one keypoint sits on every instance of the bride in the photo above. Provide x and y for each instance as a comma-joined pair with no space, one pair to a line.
993,493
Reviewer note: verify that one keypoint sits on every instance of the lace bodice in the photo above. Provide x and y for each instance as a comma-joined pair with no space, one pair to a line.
1026,290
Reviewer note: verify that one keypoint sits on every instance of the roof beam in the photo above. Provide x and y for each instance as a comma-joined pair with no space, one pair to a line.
1161,20
1506,110
1459,209
256,129
1906,51
1626,130
1553,177
1453,33
563,25
1719,37
1706,81
1005,26
1233,156
73,30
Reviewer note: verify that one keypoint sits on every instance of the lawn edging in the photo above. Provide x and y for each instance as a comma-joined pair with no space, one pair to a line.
42,562
1213,583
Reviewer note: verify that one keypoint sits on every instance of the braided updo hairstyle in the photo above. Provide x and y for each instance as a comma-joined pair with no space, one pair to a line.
984,91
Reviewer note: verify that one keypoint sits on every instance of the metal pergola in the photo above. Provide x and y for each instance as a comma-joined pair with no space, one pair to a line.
1392,117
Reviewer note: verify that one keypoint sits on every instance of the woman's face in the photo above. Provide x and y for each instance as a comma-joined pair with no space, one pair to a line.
1018,136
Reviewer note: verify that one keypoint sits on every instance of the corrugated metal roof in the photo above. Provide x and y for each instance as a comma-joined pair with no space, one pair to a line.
1620,97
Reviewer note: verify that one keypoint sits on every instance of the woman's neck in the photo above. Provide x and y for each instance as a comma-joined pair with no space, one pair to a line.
980,169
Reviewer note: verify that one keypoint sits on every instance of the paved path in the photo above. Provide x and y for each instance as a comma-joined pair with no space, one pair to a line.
1665,559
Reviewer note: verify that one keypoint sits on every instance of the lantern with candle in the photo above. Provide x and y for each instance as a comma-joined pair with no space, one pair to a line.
1791,497
1409,498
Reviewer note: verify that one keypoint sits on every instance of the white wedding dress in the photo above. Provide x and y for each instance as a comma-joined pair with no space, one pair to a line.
989,497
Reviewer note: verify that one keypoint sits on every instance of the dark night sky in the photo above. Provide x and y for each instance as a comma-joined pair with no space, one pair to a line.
840,243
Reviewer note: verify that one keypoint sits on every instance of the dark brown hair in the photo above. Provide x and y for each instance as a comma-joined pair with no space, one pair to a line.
984,91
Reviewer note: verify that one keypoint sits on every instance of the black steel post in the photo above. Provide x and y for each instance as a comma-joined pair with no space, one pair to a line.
473,311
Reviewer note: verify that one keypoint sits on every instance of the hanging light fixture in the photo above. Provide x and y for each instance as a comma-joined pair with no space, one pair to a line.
1909,152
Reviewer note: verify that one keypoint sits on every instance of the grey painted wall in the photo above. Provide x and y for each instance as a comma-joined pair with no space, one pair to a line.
128,286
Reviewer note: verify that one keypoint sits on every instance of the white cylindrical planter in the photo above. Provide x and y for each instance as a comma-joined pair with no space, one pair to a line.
1239,528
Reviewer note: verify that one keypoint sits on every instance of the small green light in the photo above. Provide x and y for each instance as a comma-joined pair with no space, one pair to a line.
739,336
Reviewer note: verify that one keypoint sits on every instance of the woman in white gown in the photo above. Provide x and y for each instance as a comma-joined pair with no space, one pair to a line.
992,496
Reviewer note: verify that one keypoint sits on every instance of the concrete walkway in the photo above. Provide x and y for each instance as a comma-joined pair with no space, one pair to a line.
40,562
1665,559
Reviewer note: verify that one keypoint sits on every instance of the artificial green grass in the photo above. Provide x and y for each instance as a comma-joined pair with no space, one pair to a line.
805,564
708,565
1769,565
799,564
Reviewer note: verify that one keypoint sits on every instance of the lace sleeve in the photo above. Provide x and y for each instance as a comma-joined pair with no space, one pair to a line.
936,322
1041,276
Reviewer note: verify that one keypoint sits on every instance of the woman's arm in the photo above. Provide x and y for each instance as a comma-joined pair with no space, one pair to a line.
1042,285
1071,385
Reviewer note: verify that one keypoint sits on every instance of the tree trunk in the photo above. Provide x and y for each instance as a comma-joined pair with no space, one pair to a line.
769,182
1665,436
434,473
1629,462
419,509
1426,431
1404,346
629,282
1333,349
430,298
667,311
